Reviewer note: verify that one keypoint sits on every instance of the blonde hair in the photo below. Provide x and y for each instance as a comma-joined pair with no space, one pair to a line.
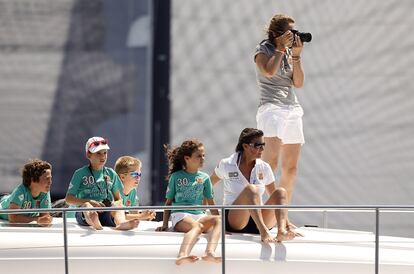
124,164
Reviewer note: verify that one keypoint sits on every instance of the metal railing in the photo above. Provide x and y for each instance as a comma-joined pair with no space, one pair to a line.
223,208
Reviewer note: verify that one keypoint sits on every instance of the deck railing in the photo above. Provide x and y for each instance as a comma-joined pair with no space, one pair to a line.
321,208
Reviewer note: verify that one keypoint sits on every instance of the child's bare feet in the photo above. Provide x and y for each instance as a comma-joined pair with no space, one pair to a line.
128,225
210,257
186,259
92,218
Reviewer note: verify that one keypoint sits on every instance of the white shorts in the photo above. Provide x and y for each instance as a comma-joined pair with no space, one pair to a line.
178,216
284,123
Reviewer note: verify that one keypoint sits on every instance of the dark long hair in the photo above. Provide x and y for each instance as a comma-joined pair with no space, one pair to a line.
176,155
247,136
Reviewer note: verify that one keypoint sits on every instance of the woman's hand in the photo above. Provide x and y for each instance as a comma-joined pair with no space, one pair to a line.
284,40
162,228
297,46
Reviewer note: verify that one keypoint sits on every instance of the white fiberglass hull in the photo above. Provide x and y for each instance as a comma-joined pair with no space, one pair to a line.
40,250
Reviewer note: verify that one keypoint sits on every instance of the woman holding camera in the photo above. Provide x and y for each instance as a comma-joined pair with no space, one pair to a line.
278,71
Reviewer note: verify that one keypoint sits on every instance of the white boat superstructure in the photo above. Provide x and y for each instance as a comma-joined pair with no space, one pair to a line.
30,249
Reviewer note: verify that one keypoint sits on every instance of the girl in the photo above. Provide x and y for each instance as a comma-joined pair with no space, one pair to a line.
188,186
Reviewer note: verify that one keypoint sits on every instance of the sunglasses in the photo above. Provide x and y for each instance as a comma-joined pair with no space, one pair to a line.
97,143
258,145
135,174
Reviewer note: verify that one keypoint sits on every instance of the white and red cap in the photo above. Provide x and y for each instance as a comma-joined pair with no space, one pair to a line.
95,144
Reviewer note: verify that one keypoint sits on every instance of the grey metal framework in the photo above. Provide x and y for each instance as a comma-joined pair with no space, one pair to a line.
323,208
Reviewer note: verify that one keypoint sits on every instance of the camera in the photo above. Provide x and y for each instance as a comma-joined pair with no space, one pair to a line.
107,202
304,36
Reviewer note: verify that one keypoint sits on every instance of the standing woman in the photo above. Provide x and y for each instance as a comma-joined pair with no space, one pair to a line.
278,71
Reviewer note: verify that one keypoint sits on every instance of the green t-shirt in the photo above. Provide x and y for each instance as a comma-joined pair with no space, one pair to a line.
189,189
90,184
22,197
131,199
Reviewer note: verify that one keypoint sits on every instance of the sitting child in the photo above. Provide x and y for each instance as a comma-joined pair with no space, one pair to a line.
129,171
34,192
95,185
188,186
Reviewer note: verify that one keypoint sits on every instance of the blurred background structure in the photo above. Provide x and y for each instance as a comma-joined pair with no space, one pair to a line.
71,69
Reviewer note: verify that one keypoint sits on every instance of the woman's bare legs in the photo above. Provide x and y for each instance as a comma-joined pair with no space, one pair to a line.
238,218
289,158
278,216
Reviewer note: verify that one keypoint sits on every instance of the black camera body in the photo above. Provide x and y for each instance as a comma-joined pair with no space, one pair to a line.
107,202
304,36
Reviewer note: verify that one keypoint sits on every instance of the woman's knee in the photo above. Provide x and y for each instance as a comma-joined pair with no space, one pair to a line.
279,195
251,190
290,170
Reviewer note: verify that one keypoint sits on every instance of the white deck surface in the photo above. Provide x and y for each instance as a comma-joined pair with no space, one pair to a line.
40,250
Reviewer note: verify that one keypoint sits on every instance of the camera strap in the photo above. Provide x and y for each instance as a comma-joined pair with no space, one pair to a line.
105,177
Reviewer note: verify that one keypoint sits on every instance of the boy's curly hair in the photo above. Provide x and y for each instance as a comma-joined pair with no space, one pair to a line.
33,170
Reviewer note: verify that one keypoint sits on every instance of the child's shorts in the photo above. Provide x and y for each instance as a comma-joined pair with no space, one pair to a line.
178,216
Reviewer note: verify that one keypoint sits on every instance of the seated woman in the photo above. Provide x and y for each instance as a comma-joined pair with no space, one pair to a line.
246,177
34,192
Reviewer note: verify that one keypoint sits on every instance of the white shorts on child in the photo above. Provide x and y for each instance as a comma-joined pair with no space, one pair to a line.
178,216
284,122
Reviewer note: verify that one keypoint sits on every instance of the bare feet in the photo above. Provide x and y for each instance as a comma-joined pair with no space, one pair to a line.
284,235
128,225
266,237
291,229
210,257
186,259
92,219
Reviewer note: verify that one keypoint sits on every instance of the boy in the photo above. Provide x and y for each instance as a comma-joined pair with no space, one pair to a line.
95,185
34,192
129,170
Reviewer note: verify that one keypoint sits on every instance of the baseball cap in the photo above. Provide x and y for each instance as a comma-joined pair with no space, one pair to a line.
95,144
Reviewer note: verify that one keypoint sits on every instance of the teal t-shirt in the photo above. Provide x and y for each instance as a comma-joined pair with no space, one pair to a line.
189,189
91,184
22,197
131,199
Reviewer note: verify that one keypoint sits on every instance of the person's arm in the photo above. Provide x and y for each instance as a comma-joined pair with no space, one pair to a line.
43,219
117,196
270,188
146,215
211,202
298,77
214,178
165,217
269,65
